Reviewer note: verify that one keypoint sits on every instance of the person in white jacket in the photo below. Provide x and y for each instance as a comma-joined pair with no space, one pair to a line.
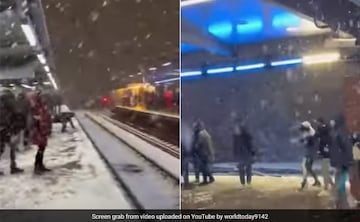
308,139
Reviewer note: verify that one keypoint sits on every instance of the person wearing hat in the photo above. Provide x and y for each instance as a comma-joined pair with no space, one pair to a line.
308,139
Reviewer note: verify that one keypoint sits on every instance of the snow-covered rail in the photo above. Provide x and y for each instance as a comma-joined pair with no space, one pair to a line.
147,173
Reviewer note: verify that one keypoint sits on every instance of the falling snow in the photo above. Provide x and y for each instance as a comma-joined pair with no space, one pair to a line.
94,16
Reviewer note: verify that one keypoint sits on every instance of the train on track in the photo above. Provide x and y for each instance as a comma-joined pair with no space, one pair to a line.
153,109
145,97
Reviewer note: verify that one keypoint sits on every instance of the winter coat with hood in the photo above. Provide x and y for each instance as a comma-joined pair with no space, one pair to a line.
243,146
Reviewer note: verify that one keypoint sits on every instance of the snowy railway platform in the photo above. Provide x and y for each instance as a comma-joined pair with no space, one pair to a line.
266,192
274,186
79,178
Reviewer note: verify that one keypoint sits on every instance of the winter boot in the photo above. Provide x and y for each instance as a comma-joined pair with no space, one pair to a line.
14,169
37,167
317,184
203,183
41,164
303,184
212,179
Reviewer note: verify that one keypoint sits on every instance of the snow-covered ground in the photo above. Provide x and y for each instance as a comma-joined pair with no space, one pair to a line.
273,169
266,192
79,180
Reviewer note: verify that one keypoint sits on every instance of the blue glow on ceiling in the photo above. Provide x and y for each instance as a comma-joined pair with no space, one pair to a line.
252,26
285,20
223,29
227,29
241,21
185,48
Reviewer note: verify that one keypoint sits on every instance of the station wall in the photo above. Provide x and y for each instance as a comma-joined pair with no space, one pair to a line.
272,104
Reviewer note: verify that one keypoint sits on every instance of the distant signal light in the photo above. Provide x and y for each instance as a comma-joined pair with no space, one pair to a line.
105,100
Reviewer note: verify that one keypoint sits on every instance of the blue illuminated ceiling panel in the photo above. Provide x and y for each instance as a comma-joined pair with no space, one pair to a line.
186,48
241,21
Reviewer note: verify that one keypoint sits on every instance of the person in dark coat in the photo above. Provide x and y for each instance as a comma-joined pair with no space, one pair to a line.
9,128
195,152
65,118
203,149
23,107
185,159
341,159
308,139
244,153
323,138
41,130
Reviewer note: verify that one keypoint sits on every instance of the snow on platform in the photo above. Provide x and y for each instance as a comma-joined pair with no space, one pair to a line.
79,180
266,192
274,169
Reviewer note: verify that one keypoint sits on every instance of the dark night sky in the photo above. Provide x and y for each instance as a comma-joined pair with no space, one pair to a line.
98,42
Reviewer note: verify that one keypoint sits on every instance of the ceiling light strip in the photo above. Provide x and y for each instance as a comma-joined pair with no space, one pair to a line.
220,70
286,62
249,67
30,34
191,73
192,2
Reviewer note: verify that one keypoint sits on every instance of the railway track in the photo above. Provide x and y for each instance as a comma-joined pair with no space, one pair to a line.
161,144
150,178
162,126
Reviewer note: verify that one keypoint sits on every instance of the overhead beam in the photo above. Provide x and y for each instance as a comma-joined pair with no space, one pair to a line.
193,35
341,16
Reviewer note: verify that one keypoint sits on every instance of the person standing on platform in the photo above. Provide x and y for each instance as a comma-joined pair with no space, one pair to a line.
41,130
195,151
24,114
308,139
341,159
205,152
9,129
244,153
168,97
324,141
185,157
